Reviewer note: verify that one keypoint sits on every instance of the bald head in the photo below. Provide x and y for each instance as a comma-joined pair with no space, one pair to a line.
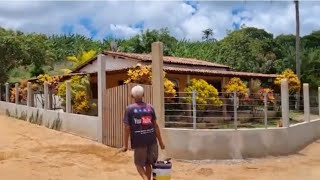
137,92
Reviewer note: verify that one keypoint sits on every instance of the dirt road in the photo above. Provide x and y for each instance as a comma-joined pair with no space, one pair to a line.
32,152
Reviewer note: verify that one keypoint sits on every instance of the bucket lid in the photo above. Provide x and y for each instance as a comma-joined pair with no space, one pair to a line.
162,165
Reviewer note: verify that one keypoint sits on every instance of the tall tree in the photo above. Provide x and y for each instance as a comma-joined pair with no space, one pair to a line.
207,34
141,43
248,49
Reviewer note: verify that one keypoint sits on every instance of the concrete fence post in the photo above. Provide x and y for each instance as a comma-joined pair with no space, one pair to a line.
17,93
319,100
158,82
29,94
306,102
265,101
0,92
158,89
285,102
235,108
7,92
194,109
46,95
68,97
101,93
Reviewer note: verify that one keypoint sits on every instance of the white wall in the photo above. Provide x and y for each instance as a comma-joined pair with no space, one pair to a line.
203,144
111,64
192,144
81,125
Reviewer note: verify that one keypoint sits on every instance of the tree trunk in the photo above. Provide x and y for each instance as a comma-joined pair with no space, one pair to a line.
298,63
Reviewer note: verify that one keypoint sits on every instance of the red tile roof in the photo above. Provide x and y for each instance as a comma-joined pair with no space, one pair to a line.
182,65
217,72
166,59
206,72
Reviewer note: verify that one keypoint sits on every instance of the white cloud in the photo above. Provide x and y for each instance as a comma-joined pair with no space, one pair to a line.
183,20
123,31
81,30
194,25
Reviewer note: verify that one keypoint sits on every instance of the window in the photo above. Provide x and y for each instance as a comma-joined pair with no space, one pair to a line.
94,90
120,82
216,84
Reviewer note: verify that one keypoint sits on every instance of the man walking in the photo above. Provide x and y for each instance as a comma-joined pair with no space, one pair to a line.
143,130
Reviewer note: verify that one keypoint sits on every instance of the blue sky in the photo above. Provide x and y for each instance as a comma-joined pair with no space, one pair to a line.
184,18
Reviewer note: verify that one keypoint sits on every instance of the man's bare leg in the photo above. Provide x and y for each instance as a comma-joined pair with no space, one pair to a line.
142,172
149,171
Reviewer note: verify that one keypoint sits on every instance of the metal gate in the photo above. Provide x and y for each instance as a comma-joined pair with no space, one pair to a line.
116,101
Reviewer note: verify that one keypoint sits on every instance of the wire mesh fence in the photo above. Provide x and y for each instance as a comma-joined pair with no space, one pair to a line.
314,105
230,110
296,108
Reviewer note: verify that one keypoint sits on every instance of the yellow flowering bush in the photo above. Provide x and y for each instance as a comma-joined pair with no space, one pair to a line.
81,58
269,92
206,93
235,84
293,80
143,74
81,102
80,94
22,92
139,74
52,81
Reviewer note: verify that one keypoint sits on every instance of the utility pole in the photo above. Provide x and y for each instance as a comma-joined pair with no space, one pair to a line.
298,61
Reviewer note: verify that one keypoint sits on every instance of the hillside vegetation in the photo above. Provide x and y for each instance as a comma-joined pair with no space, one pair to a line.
247,49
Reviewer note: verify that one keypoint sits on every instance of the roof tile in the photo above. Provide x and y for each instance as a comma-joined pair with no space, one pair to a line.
167,59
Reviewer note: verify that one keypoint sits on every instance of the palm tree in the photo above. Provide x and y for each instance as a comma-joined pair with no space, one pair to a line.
207,33
298,63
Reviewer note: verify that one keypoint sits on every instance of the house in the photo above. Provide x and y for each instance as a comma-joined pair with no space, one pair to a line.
179,70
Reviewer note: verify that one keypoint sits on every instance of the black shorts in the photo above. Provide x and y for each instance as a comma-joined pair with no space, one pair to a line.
147,155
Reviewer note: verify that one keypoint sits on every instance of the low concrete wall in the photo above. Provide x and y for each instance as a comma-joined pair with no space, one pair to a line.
300,135
204,144
81,125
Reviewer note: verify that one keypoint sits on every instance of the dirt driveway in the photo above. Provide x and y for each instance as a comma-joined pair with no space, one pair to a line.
31,152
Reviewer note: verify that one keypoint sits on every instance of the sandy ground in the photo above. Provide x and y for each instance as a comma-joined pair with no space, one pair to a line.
32,152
